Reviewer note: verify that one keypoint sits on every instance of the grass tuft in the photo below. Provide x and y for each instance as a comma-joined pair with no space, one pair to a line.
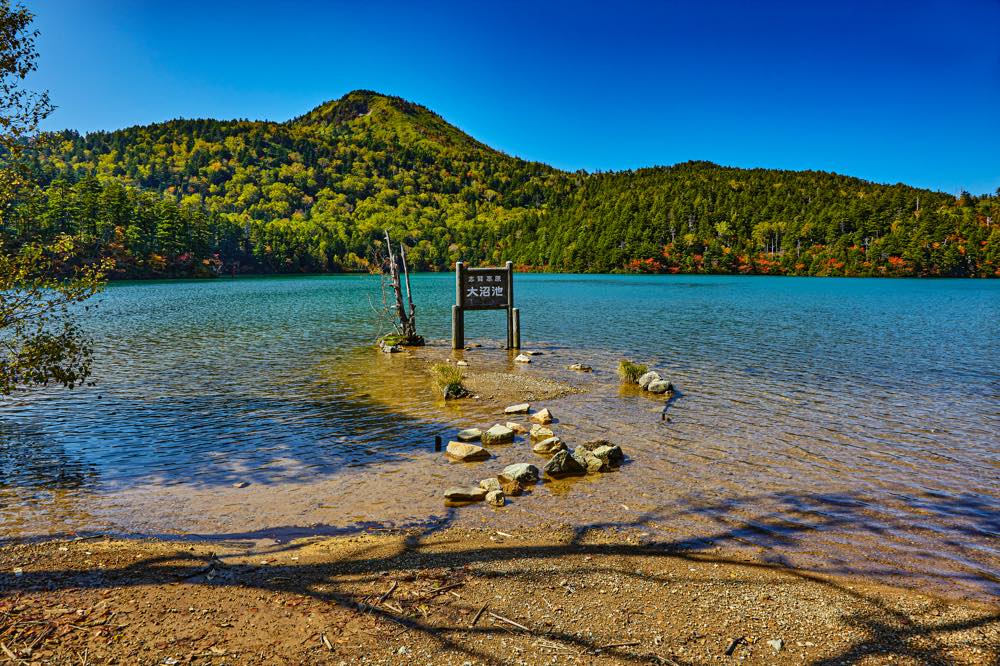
448,379
630,372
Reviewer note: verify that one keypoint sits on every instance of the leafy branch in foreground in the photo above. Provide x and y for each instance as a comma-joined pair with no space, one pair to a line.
41,283
40,343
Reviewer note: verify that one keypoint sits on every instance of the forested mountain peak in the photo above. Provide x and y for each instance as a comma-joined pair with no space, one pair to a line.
408,122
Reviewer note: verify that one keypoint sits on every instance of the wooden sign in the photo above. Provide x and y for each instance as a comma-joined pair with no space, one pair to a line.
484,289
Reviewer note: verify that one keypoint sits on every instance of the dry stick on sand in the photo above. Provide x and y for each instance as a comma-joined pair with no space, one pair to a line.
385,595
479,614
509,621
443,588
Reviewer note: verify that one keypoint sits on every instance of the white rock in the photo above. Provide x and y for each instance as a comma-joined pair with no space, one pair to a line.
495,498
522,358
543,416
498,434
659,386
648,378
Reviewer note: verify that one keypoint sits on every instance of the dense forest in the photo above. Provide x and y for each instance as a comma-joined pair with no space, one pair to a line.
202,197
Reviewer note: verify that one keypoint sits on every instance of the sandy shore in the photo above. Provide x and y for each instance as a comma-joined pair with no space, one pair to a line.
459,597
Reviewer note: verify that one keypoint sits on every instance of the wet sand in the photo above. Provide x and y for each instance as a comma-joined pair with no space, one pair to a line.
460,597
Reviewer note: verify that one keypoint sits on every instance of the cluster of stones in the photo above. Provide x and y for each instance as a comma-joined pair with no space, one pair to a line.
588,458
652,382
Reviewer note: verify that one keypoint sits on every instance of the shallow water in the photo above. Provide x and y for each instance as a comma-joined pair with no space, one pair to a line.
851,426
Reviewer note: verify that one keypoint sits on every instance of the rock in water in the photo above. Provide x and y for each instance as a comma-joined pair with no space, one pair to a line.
613,456
538,431
466,452
563,464
498,434
465,494
523,408
543,417
547,447
579,367
516,427
469,435
509,486
491,483
595,444
522,358
523,473
495,498
660,386
649,378
587,459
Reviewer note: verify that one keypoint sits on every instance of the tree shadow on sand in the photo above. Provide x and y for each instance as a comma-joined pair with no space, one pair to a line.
885,631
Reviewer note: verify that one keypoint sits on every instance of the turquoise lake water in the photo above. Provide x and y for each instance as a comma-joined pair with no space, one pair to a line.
852,425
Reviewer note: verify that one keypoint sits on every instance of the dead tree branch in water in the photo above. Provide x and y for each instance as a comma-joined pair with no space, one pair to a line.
392,308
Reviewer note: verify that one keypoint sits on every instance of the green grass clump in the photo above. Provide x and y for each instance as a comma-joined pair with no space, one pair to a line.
630,372
448,379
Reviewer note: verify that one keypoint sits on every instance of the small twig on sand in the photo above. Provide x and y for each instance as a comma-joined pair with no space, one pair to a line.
11,654
326,642
733,644
618,645
386,594
41,637
479,614
508,621
443,588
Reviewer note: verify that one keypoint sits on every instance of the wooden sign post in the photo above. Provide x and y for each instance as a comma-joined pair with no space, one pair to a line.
484,289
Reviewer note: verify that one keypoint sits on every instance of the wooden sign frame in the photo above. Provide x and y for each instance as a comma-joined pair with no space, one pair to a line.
484,289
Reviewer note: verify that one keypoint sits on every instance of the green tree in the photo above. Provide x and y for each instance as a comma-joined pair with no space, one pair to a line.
40,340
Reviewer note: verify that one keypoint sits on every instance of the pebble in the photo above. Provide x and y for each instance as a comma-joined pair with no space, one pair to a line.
465,494
516,427
466,452
498,434
490,484
521,472
522,408
776,644
543,416
469,435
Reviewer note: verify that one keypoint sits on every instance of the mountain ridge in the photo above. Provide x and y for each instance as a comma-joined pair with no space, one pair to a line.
316,192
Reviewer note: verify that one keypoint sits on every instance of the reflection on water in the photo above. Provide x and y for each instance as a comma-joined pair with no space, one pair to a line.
850,422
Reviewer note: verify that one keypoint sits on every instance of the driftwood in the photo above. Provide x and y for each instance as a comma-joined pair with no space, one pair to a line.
405,317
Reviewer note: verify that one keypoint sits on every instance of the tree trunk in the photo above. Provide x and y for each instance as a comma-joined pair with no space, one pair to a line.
407,328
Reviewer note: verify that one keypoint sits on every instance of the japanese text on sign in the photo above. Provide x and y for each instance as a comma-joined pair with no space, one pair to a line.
484,288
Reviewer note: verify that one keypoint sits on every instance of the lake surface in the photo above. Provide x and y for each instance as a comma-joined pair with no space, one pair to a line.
849,426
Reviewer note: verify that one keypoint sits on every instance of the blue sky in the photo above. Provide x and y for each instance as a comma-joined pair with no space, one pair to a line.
888,91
